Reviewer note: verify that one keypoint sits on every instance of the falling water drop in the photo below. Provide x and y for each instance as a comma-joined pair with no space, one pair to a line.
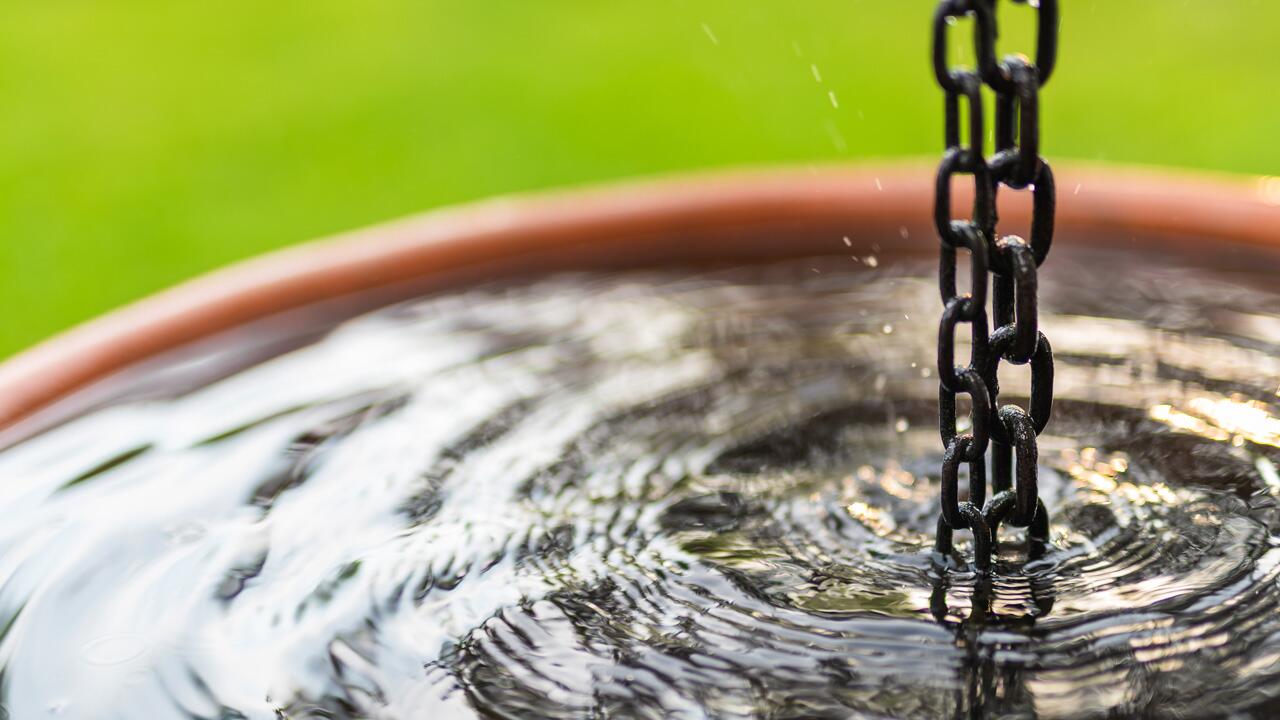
710,34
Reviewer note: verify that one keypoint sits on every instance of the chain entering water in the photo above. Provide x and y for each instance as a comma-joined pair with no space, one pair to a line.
1010,263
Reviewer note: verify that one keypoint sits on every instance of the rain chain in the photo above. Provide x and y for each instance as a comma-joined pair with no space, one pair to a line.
1003,268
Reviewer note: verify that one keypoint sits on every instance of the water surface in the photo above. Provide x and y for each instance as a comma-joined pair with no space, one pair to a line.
661,495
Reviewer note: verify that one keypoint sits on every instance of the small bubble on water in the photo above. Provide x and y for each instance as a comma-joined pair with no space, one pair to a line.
184,532
116,649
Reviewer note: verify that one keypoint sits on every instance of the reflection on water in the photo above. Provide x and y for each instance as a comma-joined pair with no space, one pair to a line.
653,496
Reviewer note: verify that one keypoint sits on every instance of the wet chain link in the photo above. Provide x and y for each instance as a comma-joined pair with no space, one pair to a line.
1004,270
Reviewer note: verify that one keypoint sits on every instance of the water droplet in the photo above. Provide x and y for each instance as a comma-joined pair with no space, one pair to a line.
817,76
832,95
710,34
901,425
888,328
847,241
871,261
837,137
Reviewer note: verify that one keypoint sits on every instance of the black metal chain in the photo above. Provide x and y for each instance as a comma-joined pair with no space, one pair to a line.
1010,264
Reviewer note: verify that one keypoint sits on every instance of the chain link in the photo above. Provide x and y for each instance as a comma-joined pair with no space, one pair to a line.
1010,264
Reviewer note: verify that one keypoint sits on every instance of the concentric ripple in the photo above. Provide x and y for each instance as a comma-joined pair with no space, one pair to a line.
662,495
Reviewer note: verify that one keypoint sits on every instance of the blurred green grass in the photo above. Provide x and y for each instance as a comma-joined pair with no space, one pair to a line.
142,142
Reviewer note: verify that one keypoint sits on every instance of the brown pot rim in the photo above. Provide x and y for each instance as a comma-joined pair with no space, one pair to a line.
725,216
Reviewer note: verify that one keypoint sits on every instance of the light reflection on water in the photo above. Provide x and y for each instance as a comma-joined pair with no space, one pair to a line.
655,495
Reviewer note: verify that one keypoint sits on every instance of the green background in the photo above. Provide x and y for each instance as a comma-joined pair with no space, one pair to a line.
143,142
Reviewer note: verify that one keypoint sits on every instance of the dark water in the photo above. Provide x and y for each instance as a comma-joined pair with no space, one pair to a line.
661,496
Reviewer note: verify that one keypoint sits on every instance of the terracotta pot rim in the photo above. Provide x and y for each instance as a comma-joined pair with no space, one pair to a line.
751,214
